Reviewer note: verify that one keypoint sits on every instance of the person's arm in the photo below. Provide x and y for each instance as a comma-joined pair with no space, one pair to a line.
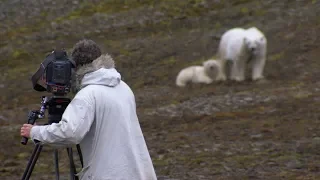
74,125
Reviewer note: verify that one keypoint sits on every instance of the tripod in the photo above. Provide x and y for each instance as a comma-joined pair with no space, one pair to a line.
56,105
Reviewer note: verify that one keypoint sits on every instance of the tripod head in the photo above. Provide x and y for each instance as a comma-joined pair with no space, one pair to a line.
56,105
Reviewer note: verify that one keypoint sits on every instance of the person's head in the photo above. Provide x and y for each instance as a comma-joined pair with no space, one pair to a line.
85,51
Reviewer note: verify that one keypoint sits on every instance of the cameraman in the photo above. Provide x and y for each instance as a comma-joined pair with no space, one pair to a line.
102,119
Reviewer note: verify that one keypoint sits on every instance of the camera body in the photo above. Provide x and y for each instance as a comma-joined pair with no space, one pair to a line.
58,76
55,72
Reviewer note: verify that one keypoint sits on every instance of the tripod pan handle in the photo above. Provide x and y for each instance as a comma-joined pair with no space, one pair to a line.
24,140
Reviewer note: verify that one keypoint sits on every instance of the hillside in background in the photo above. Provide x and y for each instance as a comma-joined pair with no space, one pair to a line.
249,130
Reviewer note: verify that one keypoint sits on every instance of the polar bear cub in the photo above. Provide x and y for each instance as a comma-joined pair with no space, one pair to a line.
207,73
240,46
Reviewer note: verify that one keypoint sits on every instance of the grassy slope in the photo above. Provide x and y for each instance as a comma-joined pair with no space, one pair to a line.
151,41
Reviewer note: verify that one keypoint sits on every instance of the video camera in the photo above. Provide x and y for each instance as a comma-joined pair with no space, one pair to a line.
54,74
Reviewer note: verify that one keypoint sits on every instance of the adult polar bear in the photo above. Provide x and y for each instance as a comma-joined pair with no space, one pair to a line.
237,47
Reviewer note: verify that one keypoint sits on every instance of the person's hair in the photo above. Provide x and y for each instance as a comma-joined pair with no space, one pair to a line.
85,51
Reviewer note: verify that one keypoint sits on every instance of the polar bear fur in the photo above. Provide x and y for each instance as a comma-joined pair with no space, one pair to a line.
237,48
207,73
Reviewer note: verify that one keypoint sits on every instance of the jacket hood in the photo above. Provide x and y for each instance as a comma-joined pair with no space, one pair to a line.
100,72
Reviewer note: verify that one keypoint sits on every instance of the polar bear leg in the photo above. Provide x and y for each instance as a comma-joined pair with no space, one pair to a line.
222,71
206,80
237,70
221,77
180,82
184,77
257,68
201,77
241,70
233,71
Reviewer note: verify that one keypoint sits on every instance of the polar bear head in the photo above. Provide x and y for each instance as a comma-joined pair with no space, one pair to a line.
253,45
211,68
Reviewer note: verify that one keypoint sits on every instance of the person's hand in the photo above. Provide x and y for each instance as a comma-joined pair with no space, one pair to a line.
25,130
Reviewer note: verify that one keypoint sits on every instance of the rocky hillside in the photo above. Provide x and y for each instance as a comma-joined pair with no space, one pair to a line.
249,130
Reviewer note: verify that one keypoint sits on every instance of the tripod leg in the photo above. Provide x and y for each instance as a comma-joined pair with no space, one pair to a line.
73,170
80,154
56,163
32,161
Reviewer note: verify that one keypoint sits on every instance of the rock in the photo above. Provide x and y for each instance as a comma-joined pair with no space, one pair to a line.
248,99
316,140
54,25
256,136
295,164
160,157
228,153
3,118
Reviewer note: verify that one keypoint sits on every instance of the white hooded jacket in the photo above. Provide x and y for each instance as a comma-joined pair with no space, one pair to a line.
102,119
